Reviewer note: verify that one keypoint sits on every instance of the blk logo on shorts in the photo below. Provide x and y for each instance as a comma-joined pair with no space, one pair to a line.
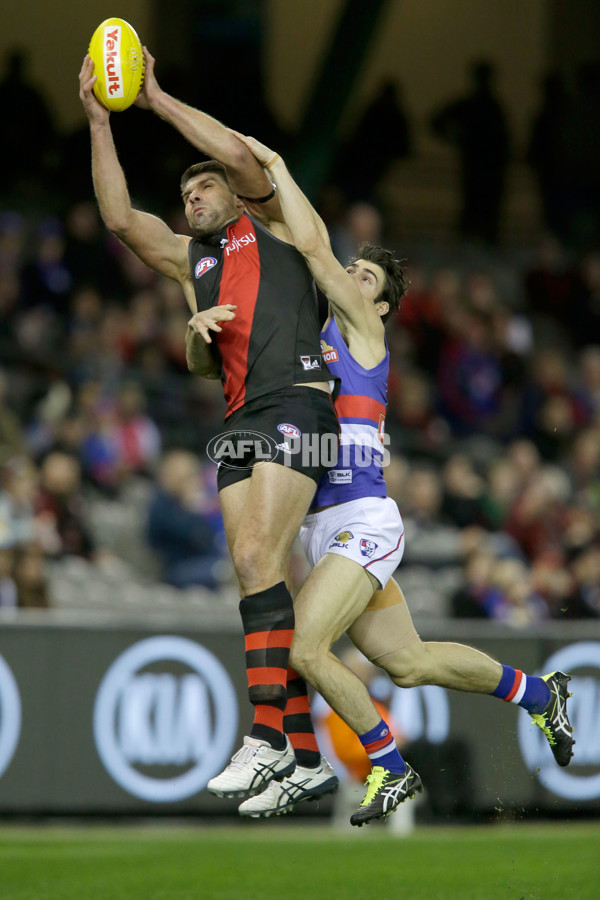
342,539
203,265
368,548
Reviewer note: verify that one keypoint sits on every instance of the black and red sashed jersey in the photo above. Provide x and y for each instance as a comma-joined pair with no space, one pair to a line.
273,342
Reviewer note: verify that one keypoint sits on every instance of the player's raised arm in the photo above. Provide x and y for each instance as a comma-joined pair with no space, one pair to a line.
245,174
310,236
148,236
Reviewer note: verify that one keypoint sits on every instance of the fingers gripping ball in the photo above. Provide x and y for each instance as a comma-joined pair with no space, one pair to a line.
118,63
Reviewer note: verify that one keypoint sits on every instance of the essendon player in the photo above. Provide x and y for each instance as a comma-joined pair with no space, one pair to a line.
252,291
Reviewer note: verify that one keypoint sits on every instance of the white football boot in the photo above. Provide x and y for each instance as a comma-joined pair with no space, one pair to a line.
252,768
282,796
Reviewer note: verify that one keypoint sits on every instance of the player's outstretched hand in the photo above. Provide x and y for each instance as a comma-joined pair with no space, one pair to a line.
201,322
262,153
93,108
150,89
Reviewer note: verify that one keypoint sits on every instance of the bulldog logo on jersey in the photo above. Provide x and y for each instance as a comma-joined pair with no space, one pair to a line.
203,265
341,540
330,354
368,548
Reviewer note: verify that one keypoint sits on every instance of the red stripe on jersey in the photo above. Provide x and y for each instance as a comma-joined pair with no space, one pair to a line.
516,685
266,675
239,286
262,640
356,406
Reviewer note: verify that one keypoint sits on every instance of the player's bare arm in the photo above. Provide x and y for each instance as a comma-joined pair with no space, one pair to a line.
246,176
309,235
146,235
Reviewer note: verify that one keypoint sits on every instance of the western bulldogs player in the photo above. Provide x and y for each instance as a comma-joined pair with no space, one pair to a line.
354,538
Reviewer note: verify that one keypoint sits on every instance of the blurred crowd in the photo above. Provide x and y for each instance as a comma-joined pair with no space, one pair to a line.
493,417
494,420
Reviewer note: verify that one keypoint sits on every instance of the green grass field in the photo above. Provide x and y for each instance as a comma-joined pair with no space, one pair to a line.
300,863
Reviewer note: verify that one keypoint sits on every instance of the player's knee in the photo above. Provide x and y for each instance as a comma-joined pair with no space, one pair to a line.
407,667
303,655
253,565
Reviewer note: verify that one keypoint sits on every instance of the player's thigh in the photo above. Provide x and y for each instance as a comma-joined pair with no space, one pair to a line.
275,506
385,632
334,594
233,499
386,597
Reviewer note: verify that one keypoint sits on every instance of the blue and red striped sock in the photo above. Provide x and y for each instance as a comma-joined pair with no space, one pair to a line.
381,748
528,691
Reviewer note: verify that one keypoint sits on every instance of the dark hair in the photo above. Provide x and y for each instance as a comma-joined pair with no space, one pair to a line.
210,165
396,281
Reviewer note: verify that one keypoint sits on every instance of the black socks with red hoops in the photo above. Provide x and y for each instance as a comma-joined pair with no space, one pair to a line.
268,620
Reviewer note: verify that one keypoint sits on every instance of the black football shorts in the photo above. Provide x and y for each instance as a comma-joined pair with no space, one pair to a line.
295,427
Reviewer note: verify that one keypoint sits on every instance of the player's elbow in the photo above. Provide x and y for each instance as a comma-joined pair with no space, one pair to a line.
194,365
205,369
237,157
313,241
119,223
309,244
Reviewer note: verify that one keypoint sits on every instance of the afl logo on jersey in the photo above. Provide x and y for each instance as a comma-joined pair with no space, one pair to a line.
203,265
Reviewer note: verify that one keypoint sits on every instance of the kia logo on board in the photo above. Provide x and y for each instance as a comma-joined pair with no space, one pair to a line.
10,716
181,715
581,780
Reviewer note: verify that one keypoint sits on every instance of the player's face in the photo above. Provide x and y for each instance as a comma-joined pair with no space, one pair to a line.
209,204
369,277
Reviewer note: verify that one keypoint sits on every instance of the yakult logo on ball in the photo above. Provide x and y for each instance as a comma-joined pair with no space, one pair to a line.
112,61
581,781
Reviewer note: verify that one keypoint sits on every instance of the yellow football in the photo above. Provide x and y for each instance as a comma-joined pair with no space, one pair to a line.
118,62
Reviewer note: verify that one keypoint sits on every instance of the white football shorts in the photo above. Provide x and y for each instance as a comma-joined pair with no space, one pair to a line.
368,530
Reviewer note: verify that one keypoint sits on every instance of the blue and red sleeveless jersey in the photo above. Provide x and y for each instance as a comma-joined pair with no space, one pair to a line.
360,406
273,342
